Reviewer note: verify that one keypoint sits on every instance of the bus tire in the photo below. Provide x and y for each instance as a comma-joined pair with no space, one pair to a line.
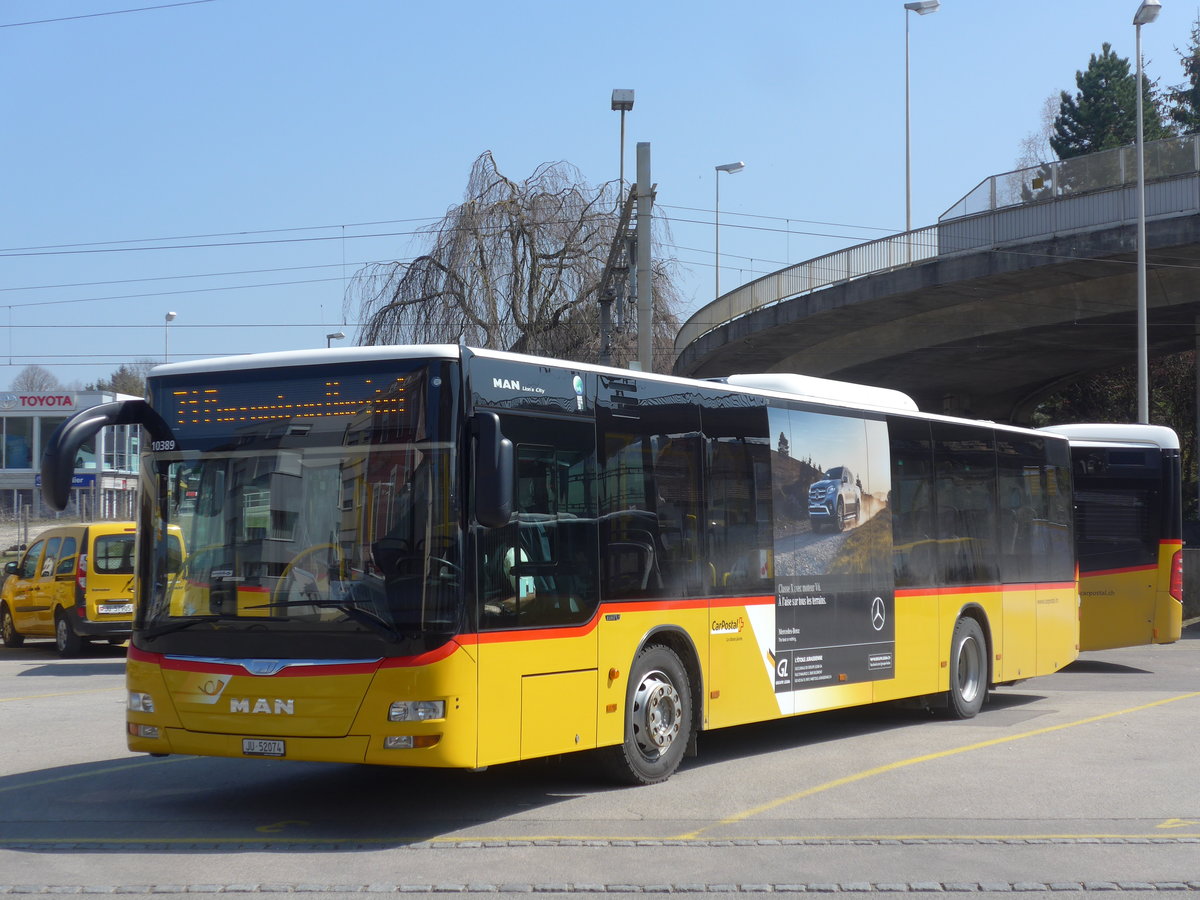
66,640
968,669
658,719
8,628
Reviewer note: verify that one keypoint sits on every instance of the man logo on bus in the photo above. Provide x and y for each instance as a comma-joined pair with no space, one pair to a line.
262,705
878,614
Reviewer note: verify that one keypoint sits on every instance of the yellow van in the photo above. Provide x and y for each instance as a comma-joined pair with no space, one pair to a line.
74,584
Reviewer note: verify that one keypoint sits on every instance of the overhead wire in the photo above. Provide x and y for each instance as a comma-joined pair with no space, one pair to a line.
113,12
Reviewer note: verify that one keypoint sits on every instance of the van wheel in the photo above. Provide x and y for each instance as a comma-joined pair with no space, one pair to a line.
8,629
66,639
968,669
658,720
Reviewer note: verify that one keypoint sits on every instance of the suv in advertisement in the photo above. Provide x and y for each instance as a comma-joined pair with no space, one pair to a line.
835,501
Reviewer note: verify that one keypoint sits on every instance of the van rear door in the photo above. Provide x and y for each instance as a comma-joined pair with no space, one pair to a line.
110,575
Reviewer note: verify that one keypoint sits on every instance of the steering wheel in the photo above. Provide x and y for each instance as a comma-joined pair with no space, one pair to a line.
318,576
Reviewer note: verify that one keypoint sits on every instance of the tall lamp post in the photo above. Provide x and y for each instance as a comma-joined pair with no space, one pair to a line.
728,169
921,8
167,320
622,101
331,337
1146,13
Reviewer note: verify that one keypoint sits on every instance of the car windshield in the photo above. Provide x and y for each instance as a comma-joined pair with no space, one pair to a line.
312,533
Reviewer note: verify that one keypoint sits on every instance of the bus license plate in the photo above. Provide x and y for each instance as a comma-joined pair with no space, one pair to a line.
261,747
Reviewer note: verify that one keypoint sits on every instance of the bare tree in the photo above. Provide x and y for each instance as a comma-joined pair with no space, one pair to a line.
35,379
1035,146
515,266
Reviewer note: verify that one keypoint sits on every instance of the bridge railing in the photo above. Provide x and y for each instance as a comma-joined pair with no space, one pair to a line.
1002,209
880,255
1084,174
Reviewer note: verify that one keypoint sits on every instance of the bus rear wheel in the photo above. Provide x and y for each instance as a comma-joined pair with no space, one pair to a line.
968,669
658,719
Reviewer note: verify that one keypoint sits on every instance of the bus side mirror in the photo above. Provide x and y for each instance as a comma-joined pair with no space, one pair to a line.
493,472
58,459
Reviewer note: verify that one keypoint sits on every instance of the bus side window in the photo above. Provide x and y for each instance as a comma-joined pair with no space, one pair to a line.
965,466
914,544
540,568
738,511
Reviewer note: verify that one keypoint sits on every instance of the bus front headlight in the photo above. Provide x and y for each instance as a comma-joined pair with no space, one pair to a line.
139,702
416,710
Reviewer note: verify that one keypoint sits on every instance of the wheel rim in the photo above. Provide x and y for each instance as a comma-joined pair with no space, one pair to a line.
6,626
657,714
60,633
970,669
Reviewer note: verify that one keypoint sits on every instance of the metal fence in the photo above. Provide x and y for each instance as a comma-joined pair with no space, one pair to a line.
1071,195
1084,174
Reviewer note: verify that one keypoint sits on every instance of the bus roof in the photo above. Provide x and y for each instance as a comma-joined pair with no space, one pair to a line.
809,387
801,387
310,357
1108,433
805,387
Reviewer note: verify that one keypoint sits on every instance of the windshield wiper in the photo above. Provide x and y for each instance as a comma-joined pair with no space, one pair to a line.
189,621
352,610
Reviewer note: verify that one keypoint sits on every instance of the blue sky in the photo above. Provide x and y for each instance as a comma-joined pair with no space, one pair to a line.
236,161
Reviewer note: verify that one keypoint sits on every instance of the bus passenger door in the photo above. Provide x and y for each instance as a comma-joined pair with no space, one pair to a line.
537,594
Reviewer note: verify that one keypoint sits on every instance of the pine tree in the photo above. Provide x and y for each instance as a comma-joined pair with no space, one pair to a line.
1184,98
1103,113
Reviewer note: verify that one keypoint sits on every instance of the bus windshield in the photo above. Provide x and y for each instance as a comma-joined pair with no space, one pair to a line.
318,523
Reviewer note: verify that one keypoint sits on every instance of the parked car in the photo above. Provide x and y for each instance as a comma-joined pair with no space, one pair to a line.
74,584
835,500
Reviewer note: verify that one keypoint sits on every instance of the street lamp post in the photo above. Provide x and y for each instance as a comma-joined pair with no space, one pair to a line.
1146,13
728,169
331,337
921,8
167,320
622,101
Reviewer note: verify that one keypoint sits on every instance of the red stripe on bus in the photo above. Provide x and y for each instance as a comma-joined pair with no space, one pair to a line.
1125,571
984,589
445,651
614,608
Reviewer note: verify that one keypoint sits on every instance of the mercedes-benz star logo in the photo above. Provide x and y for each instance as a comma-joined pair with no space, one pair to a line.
878,614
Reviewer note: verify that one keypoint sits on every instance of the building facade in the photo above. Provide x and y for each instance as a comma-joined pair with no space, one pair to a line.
106,467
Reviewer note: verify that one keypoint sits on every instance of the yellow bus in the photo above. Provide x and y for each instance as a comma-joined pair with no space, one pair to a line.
439,556
1128,533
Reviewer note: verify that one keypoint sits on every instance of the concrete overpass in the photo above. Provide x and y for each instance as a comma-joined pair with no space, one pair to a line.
1025,285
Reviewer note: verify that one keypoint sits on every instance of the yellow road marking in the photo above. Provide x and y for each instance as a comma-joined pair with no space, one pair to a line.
941,754
656,840
92,773
1177,823
60,694
276,827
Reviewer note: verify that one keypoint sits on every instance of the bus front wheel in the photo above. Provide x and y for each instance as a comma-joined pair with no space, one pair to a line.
968,669
658,719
